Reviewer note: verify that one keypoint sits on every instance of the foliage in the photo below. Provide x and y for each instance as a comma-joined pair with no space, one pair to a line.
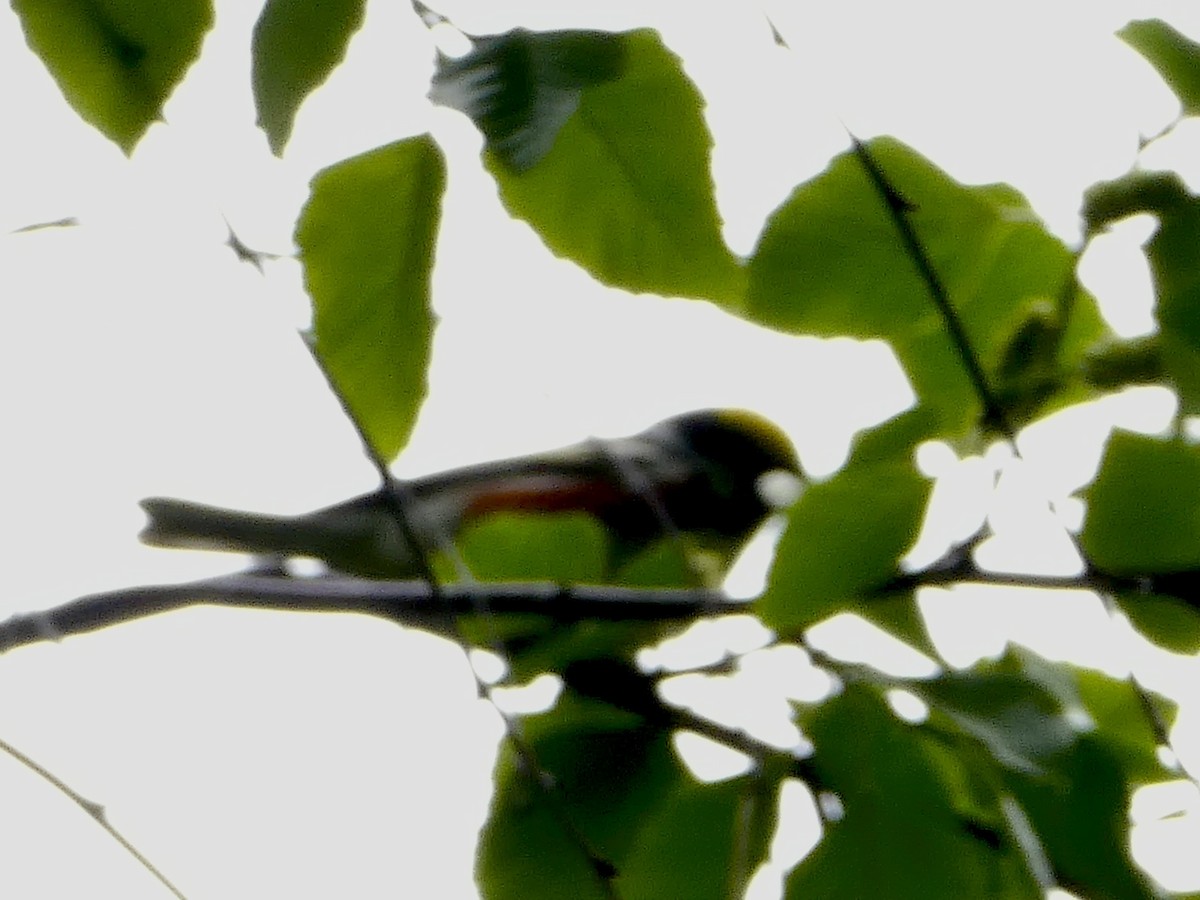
367,237
116,62
1018,776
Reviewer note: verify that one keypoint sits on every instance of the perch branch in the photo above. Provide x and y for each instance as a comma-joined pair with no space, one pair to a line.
411,603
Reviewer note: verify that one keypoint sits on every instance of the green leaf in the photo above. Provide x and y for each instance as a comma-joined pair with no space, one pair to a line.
1020,722
1143,512
692,846
366,239
1080,811
1059,733
843,539
296,44
1107,709
1120,723
567,548
1043,350
606,765
1167,621
903,834
1166,608
1027,714
116,61
1174,254
895,440
1107,202
898,615
664,564
1175,57
831,262
625,191
1111,366
629,801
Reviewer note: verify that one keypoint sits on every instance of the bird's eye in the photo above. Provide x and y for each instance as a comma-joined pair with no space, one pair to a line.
778,489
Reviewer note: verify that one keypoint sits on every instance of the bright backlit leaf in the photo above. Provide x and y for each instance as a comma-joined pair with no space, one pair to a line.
843,539
621,184
116,61
831,261
366,239
1143,511
1176,58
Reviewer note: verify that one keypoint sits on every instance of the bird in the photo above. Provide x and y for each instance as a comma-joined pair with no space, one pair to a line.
695,478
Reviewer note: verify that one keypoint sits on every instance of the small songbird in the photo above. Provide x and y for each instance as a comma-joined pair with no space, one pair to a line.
697,476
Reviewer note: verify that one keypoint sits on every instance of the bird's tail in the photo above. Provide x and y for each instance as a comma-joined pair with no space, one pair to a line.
196,526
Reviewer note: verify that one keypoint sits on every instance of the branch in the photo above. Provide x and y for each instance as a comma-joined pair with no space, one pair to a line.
414,604
616,683
93,809
960,569
411,603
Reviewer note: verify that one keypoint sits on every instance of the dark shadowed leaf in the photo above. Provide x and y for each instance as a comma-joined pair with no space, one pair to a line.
1117,364
296,44
521,87
1027,709
116,61
907,830
1080,811
629,800
1018,721
1120,723
366,239
1106,709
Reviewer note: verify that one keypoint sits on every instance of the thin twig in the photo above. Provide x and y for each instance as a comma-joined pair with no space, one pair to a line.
618,685
93,809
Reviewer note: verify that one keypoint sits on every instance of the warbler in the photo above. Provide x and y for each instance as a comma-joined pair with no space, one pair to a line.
696,476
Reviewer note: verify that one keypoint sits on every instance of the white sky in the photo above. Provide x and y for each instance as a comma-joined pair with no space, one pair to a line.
259,755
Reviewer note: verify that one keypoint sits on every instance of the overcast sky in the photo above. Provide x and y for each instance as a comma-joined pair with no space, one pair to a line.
259,755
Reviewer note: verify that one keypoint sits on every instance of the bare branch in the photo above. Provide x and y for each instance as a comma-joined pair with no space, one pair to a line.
411,603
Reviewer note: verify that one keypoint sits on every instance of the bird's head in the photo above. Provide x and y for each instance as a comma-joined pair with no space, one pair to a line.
714,469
